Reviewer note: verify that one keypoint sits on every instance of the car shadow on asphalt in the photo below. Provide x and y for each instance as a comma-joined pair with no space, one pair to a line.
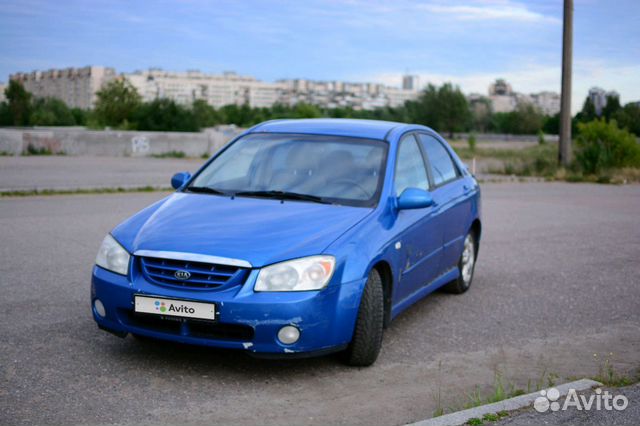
200,359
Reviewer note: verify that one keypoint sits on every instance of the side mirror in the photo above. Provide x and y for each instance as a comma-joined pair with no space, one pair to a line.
414,198
179,179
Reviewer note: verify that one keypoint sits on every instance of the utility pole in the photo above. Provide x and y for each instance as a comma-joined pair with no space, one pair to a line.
564,148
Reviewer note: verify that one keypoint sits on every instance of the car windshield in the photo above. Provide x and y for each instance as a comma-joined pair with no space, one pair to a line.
327,169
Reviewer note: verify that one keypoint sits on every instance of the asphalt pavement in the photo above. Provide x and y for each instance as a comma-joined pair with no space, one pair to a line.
25,173
556,283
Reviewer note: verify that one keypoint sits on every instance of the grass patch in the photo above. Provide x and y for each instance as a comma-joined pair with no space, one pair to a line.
48,192
499,392
608,376
489,417
541,161
41,150
170,154
506,154
6,154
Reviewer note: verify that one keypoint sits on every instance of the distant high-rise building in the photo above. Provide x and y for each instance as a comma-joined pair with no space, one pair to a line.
500,88
504,99
599,98
410,82
334,94
77,87
547,102
3,87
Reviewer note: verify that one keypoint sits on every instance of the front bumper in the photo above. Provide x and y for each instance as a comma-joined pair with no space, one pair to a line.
246,320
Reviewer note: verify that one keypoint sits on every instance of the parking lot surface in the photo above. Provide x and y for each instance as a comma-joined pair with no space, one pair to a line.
25,173
556,282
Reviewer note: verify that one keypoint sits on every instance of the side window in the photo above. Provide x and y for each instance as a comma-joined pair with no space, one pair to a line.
410,171
442,167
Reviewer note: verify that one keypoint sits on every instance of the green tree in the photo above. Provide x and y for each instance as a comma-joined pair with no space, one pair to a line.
19,101
444,108
601,145
5,115
80,116
51,112
629,118
205,115
526,119
116,104
551,124
304,110
588,112
165,115
481,114
612,107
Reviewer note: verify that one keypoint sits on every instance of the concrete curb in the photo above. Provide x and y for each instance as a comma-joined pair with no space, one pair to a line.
461,417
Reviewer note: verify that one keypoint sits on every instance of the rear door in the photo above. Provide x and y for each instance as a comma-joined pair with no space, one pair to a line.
451,194
419,235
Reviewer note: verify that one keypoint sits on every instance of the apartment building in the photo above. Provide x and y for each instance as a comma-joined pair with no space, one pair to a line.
77,87
216,89
335,94
504,99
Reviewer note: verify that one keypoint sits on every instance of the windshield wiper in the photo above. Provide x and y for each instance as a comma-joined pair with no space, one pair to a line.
283,195
205,190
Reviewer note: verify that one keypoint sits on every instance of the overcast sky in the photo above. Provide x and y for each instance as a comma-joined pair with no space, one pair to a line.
468,42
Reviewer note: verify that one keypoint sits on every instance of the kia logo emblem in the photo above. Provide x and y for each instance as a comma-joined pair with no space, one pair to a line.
182,275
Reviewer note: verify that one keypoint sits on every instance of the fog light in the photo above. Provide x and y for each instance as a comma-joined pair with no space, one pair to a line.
99,307
288,334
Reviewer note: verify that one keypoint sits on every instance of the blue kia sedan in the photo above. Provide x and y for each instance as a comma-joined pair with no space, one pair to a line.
298,238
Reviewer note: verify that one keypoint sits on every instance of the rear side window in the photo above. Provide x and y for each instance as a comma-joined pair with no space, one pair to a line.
410,171
442,167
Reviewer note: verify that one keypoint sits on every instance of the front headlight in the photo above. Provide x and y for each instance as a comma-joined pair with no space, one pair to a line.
112,256
308,273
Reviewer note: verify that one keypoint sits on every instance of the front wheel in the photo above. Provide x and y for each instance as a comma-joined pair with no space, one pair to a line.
367,337
466,266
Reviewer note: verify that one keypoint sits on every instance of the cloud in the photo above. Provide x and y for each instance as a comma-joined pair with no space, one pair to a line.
489,11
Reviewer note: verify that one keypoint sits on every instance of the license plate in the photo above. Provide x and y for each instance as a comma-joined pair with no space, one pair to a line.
174,307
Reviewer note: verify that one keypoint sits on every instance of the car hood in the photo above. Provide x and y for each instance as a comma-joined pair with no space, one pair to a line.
260,231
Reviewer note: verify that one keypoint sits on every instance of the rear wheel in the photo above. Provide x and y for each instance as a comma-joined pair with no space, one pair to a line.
367,337
466,266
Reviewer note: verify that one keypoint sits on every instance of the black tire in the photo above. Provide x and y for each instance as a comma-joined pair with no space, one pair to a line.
460,285
367,336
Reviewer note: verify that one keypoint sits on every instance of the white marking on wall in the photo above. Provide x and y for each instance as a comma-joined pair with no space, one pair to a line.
140,145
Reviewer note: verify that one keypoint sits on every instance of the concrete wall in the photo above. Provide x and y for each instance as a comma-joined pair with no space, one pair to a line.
501,137
113,143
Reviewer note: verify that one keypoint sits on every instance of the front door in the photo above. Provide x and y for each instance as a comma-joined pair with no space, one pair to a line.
420,236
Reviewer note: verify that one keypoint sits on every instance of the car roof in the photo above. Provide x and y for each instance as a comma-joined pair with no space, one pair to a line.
370,129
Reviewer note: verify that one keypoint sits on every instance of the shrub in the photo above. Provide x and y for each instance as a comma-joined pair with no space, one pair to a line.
472,142
601,145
